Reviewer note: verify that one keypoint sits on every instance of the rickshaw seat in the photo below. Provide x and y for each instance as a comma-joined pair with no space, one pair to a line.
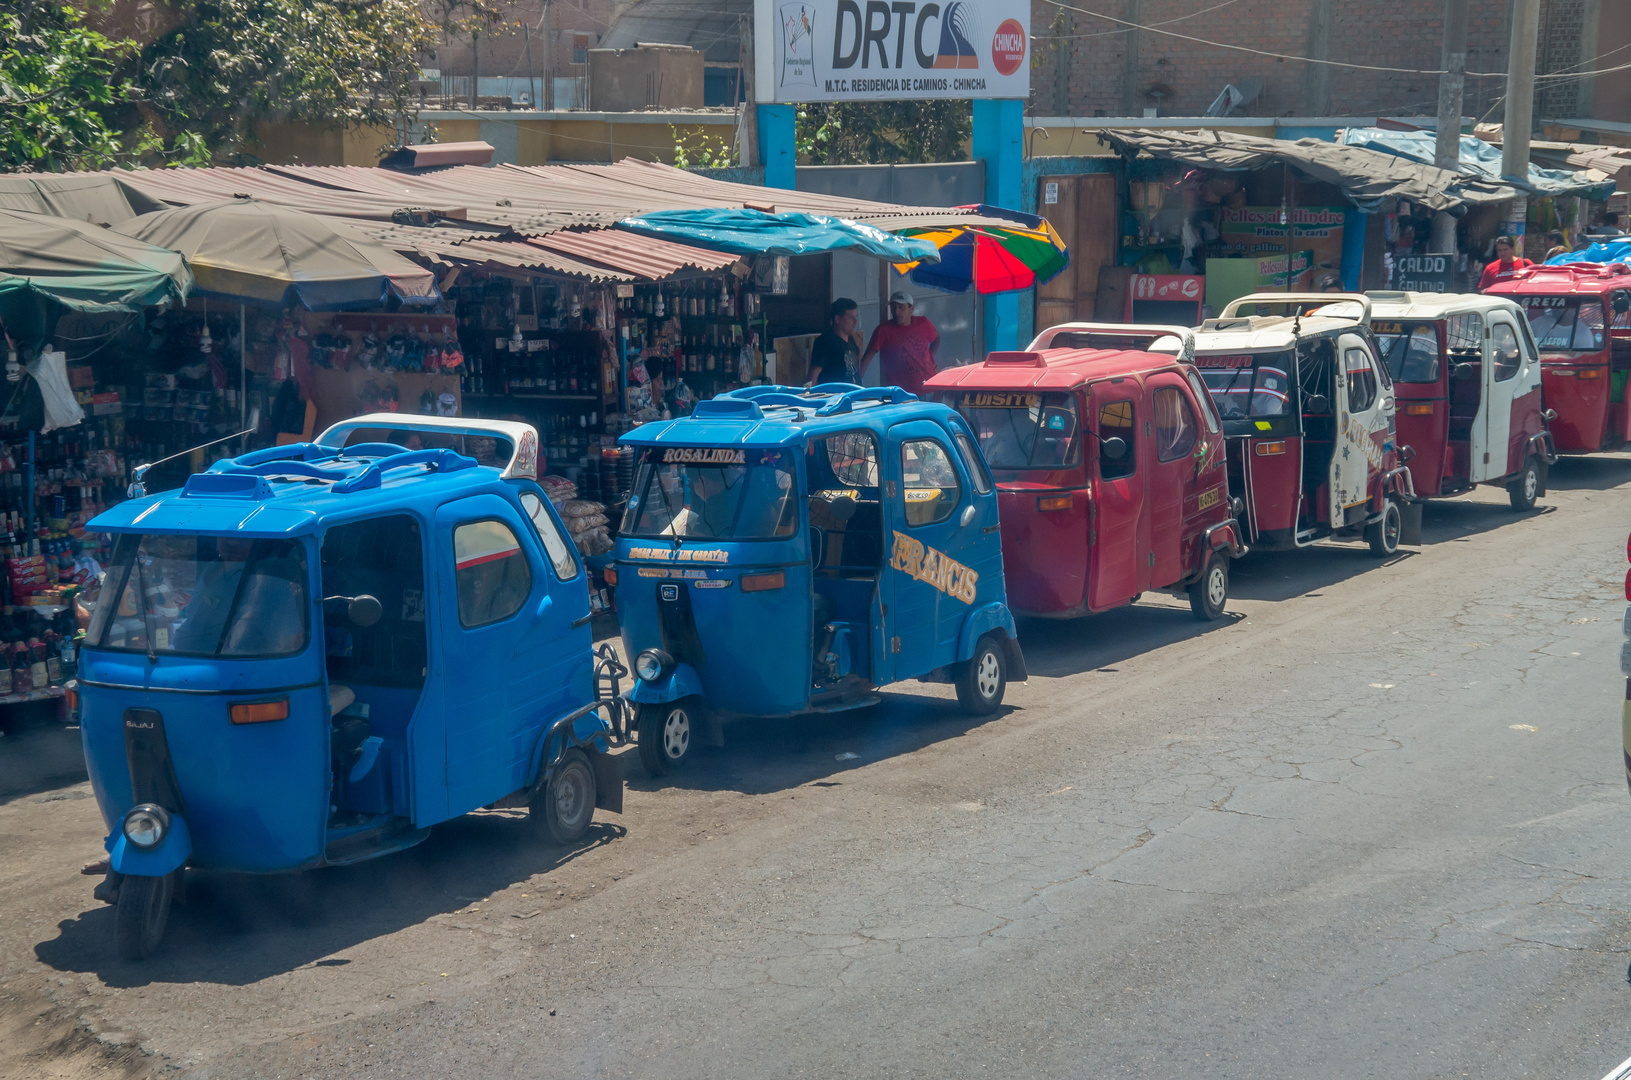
339,697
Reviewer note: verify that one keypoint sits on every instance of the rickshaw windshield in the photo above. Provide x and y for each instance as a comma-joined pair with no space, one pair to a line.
714,493
217,596
1566,323
1023,430
1409,350
1249,384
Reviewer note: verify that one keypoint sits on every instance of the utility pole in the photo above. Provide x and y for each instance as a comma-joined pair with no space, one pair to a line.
549,58
1520,108
532,80
747,138
475,68
1451,85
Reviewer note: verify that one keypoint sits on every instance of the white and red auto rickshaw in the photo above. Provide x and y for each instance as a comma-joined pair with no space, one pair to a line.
1580,316
1307,409
1468,381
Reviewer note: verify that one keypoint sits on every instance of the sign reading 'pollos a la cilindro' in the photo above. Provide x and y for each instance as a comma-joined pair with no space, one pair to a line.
891,50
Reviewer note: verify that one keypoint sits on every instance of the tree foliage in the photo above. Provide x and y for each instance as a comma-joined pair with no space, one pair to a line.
59,90
191,81
880,133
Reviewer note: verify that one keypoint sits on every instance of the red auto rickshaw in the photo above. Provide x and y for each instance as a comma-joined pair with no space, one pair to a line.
1580,316
1108,462
1467,379
1307,410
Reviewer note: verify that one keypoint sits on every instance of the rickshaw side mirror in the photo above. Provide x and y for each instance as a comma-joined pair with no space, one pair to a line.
968,516
362,610
1464,372
1113,448
1316,404
1622,303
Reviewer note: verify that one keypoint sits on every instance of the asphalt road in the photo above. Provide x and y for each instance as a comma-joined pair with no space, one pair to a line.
1375,825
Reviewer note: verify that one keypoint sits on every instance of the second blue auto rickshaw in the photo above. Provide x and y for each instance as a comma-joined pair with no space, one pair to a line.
790,551
309,655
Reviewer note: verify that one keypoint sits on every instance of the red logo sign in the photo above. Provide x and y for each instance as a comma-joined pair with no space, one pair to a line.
1008,47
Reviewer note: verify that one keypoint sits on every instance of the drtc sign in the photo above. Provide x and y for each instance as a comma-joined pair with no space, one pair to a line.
890,50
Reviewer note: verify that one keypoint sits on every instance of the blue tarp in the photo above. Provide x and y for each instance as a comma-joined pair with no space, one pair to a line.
754,232
1478,158
1613,250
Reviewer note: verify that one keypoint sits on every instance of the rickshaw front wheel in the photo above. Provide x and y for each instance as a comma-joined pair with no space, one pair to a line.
1383,536
142,914
567,804
667,733
1522,491
983,678
1209,595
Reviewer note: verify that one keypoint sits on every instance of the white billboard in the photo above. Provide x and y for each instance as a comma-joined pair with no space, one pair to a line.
891,50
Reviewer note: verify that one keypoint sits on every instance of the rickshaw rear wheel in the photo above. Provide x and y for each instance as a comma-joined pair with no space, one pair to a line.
1523,490
567,803
1383,536
142,914
983,677
667,733
1210,595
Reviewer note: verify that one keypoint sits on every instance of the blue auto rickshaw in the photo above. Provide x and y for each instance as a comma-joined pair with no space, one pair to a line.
790,551
309,655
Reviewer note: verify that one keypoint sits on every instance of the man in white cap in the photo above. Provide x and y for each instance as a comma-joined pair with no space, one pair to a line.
905,346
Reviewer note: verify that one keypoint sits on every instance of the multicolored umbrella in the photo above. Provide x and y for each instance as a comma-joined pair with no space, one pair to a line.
992,258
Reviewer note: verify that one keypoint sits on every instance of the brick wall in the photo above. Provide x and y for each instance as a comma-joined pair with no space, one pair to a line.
1184,77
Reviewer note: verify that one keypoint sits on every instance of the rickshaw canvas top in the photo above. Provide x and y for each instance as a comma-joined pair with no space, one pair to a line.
1434,306
1584,279
1249,333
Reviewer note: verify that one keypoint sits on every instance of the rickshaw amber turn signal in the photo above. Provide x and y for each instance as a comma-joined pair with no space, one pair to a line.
763,582
1418,410
1271,449
610,574
1591,373
1056,502
260,712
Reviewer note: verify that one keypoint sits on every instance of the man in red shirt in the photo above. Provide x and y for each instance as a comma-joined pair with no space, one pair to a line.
905,346
1507,262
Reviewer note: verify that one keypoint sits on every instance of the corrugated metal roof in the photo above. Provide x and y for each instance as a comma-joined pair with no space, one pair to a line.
552,217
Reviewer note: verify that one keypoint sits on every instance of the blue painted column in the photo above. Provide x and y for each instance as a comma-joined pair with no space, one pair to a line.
1354,224
776,144
999,134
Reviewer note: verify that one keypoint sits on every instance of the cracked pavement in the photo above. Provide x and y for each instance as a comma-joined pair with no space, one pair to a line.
1374,825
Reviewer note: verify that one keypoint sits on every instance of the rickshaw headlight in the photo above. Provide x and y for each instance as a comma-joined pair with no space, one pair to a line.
653,664
146,825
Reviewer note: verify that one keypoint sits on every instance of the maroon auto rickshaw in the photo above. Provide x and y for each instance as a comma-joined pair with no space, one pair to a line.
1108,461
1469,396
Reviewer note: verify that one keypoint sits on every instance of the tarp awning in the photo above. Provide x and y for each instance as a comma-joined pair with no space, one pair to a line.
50,263
1479,158
1612,250
1365,177
754,232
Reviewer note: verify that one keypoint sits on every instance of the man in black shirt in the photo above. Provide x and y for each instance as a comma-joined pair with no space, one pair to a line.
834,356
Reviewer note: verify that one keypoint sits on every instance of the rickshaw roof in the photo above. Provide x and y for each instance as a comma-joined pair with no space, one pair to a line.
303,488
1424,305
1051,369
1254,333
787,416
1583,279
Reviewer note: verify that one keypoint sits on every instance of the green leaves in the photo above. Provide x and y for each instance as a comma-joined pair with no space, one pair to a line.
877,133
58,88
195,90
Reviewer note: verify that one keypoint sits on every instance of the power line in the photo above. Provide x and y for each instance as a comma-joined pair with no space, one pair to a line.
1155,29
1128,29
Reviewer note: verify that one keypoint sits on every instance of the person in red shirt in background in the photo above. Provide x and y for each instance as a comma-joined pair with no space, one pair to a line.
905,346
1507,262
